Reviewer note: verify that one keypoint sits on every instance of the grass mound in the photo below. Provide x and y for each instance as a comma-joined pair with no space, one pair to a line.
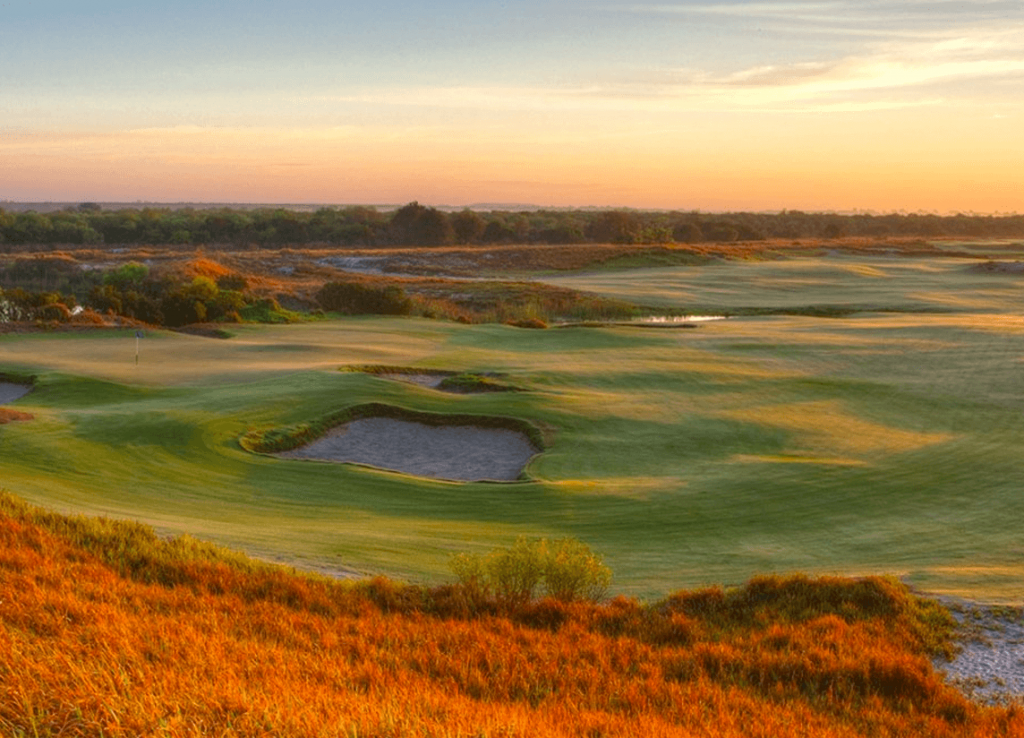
18,378
448,381
108,630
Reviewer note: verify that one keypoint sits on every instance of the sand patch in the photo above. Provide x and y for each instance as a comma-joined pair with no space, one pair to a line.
432,380
998,267
988,667
462,453
10,392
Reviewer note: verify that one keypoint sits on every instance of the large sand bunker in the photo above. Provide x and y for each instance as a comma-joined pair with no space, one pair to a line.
11,392
453,452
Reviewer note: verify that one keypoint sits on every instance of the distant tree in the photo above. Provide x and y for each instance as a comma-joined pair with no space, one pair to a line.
497,232
417,225
615,226
720,231
687,232
435,229
30,227
468,226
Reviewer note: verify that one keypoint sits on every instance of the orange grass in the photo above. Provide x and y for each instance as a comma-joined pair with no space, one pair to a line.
8,416
106,630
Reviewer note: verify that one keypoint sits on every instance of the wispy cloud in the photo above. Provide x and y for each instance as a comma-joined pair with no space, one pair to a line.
895,74
907,19
905,68
934,10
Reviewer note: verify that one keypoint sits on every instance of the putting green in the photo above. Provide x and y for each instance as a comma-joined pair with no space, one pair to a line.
883,442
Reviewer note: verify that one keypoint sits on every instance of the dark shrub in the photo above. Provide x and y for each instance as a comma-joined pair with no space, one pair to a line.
354,298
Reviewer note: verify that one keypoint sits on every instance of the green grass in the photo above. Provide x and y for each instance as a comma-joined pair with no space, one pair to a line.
877,443
836,282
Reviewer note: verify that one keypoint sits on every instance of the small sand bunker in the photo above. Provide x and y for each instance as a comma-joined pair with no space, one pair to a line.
425,379
461,453
460,383
11,392
999,267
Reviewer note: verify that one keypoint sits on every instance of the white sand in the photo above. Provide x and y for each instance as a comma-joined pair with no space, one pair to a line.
990,668
426,379
460,453
11,392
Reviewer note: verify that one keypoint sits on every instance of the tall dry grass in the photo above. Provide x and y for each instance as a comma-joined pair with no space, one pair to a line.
107,630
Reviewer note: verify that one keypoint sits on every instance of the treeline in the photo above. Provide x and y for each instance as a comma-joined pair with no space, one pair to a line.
419,225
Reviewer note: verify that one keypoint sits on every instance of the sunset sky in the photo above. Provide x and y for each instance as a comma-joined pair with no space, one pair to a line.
811,105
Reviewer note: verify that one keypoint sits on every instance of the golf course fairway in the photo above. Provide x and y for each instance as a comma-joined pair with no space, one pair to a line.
884,441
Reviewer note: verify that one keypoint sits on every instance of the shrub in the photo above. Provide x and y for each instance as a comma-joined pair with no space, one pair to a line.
573,572
514,573
355,298
567,569
473,579
528,323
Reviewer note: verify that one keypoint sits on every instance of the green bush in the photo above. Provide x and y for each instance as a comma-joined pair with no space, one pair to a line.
566,569
573,572
514,573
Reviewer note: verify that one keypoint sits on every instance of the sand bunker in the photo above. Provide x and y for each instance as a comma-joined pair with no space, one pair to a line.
461,453
11,392
999,267
459,383
425,379
988,669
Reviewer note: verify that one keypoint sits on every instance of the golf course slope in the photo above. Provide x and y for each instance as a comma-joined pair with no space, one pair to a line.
108,630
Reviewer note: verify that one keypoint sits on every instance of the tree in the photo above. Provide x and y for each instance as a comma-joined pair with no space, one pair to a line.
615,226
468,226
417,225
687,232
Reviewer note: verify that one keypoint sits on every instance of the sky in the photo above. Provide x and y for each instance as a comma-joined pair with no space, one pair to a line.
816,105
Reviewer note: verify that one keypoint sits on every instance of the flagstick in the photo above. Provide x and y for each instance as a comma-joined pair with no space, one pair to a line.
136,348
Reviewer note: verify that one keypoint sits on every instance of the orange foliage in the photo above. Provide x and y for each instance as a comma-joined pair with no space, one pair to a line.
7,415
207,648
203,267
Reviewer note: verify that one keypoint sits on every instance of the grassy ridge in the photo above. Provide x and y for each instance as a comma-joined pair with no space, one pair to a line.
108,630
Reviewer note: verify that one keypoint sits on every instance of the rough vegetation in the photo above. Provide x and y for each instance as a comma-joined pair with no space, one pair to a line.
93,267
108,630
